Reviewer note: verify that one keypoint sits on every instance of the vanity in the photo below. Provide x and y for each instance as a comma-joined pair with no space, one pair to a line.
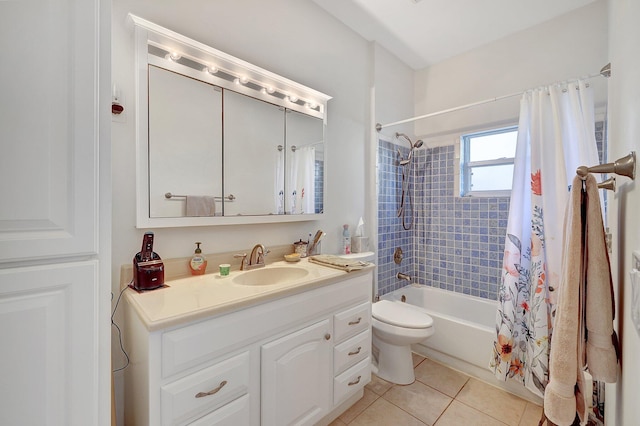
283,344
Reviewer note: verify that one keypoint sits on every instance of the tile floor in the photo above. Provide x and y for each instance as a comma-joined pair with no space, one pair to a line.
440,396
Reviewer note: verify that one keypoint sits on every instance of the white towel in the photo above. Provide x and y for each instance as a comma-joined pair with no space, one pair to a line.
200,205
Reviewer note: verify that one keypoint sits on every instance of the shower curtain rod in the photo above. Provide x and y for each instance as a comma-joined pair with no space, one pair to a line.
604,72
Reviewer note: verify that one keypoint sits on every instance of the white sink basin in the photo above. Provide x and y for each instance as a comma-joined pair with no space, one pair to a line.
270,276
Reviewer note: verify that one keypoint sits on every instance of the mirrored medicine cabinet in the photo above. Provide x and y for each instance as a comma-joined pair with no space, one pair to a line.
221,141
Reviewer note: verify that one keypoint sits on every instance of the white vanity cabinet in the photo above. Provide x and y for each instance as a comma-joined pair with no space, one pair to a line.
297,359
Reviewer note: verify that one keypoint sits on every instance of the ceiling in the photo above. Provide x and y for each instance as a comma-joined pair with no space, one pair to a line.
424,32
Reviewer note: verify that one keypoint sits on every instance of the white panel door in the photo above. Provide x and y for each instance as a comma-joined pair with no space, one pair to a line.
48,128
48,346
297,377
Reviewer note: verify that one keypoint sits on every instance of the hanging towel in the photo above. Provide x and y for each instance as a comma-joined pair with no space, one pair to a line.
584,314
200,205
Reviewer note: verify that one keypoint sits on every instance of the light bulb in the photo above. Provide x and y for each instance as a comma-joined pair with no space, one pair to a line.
293,98
312,105
244,79
270,89
173,56
210,69
236,80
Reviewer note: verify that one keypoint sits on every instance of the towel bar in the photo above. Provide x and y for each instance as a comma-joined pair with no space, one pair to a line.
229,197
625,166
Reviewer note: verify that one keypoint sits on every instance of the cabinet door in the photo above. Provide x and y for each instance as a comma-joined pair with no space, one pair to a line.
297,377
48,345
48,160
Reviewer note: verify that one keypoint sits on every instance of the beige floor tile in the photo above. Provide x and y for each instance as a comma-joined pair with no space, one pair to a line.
495,402
337,422
531,415
384,413
419,400
459,414
440,377
367,399
417,359
378,385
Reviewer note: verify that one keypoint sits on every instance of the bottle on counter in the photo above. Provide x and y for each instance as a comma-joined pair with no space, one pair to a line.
346,239
198,263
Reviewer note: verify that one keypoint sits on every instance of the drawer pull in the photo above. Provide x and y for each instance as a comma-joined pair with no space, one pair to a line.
327,336
356,321
356,352
216,390
355,382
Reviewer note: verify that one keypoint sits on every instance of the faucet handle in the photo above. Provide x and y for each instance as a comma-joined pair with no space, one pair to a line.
243,262
262,254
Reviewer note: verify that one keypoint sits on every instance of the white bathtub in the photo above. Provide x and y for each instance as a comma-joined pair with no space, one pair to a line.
464,332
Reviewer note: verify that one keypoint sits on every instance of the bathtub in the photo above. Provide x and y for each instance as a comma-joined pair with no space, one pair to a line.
464,332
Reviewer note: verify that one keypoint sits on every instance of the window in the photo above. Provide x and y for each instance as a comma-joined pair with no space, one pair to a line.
486,162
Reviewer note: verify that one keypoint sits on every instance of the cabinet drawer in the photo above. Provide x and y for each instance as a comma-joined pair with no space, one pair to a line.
352,351
205,390
235,413
351,380
351,321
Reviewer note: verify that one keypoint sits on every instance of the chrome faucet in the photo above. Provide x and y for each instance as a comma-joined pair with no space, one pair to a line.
402,276
256,258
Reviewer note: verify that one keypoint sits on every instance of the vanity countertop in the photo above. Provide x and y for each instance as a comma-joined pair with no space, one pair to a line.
198,297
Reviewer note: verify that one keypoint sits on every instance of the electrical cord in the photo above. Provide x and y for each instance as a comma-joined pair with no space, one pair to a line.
118,328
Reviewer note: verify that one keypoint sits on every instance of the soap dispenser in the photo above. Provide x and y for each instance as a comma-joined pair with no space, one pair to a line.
198,263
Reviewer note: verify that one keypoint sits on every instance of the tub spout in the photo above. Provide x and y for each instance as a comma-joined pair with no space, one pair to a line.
402,276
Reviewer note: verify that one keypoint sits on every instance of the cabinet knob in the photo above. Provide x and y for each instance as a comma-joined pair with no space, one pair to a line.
356,321
212,391
327,336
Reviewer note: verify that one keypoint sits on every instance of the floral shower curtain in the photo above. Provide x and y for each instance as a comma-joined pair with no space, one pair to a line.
556,134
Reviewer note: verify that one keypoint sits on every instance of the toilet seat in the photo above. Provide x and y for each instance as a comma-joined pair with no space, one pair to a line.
400,314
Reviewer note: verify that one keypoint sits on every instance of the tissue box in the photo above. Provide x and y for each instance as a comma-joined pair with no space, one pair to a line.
359,244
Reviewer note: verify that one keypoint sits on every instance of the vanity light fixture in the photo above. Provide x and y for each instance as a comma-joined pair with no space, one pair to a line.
173,56
222,69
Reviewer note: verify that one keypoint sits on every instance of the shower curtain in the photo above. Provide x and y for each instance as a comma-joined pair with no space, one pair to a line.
302,183
556,134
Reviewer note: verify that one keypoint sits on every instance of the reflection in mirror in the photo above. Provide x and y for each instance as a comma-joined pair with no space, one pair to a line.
305,163
253,165
185,144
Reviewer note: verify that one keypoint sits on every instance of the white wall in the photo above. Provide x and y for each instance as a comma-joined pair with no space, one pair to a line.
570,46
624,136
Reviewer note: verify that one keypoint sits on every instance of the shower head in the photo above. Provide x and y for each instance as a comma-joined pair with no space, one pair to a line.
418,143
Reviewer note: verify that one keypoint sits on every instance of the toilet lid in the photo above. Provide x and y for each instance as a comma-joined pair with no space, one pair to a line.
401,314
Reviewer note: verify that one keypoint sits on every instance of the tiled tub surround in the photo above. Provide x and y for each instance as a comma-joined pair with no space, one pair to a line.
456,243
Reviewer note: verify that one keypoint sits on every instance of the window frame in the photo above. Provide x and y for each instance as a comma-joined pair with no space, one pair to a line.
467,166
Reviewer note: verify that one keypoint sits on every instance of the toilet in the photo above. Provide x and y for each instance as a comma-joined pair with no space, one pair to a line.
396,326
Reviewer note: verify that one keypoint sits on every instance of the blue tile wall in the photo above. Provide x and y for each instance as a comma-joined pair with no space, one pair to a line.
390,231
319,186
456,243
